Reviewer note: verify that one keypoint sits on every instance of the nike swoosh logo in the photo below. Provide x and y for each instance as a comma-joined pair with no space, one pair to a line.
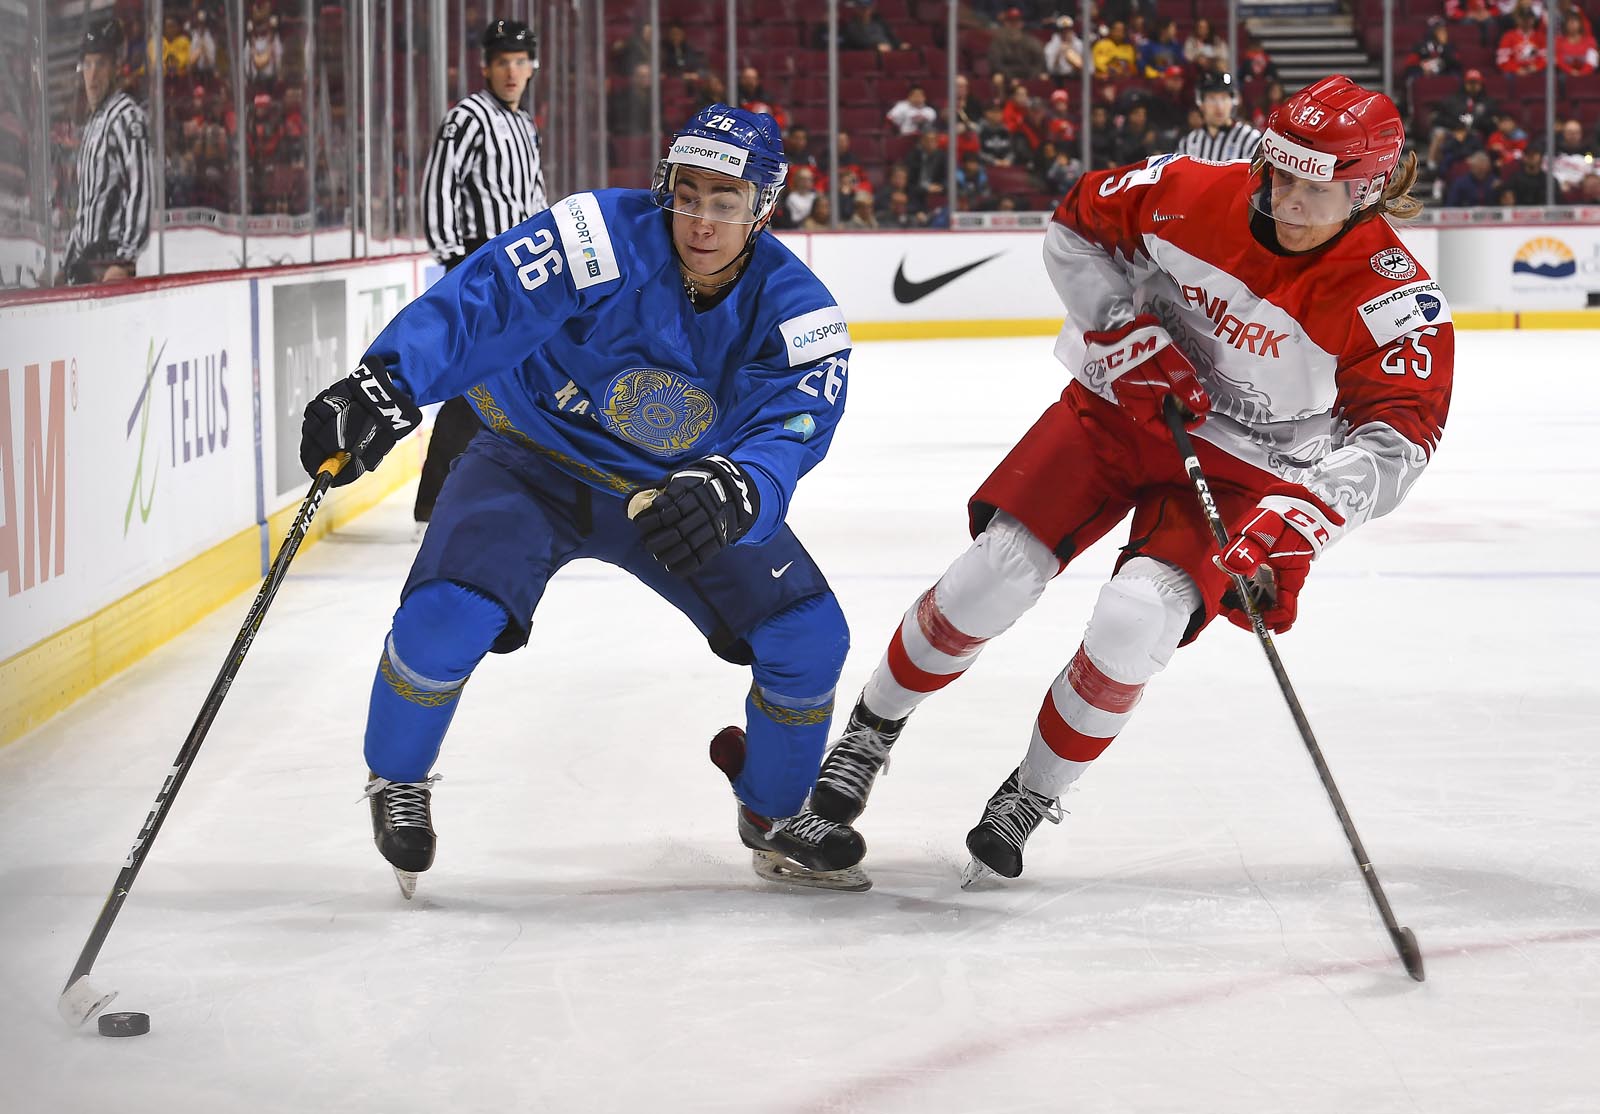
906,291
779,572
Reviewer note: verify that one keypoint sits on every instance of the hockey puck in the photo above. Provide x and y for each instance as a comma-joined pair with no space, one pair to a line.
124,1024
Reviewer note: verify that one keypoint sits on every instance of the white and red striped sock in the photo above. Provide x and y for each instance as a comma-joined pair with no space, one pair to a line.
984,591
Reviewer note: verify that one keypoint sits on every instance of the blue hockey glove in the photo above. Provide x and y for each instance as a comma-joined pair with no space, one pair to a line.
363,414
698,511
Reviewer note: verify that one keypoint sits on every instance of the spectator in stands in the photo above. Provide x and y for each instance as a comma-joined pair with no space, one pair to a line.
1477,14
1477,187
925,163
1063,54
1114,55
865,29
897,213
1506,143
1169,103
1589,190
1271,97
1512,10
263,52
753,97
1459,144
820,218
1574,161
1256,64
629,110
935,207
995,145
913,115
799,199
174,47
972,184
1102,138
1471,103
634,50
1435,54
677,56
1528,183
1204,49
1576,54
852,175
1013,52
202,46
1060,128
1136,139
1521,49
1162,52
797,149
861,213
970,108
1064,170
712,90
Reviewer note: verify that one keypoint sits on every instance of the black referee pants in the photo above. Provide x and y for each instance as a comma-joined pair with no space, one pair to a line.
455,425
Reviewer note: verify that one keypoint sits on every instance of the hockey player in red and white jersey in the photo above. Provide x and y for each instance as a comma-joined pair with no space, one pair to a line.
1313,356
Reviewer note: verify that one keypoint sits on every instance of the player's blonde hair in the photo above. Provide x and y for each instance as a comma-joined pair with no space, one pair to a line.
1397,202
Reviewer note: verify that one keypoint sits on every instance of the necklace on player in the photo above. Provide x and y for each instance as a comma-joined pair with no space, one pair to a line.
696,290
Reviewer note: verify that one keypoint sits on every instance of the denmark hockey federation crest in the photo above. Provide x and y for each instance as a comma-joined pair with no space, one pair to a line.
1394,263
659,411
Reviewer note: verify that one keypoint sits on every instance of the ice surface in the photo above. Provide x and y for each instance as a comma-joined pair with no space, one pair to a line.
1194,937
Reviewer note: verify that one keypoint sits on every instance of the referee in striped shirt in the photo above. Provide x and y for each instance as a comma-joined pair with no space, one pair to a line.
483,177
113,218
1220,138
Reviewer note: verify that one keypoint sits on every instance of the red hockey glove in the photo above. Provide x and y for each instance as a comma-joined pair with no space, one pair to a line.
1273,550
1143,367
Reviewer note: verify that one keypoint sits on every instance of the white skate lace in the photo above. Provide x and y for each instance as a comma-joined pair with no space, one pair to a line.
854,760
1015,813
406,802
806,827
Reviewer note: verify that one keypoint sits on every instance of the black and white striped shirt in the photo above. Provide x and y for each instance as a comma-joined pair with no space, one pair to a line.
1236,141
483,175
113,219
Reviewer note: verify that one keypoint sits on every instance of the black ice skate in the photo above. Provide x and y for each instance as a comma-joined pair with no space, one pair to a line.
402,826
1010,817
852,764
800,850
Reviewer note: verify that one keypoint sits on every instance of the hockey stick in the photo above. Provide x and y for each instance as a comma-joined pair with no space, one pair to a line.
1404,942
79,1001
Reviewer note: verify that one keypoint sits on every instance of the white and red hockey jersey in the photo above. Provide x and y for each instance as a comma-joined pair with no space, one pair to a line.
1331,370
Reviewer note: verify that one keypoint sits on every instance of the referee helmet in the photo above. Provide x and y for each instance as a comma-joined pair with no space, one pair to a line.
103,37
509,36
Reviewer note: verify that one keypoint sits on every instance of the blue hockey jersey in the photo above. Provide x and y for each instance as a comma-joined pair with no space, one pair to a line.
572,336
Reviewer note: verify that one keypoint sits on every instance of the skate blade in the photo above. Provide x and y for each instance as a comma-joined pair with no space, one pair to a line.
975,873
407,881
773,867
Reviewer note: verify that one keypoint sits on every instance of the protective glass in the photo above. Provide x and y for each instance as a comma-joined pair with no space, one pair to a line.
1293,200
709,195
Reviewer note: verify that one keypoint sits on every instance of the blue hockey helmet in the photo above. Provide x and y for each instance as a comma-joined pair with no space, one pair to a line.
730,141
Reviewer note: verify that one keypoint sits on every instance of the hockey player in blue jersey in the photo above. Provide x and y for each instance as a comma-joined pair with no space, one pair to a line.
655,373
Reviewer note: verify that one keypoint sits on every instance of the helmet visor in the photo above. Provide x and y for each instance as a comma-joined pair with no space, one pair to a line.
1290,199
708,195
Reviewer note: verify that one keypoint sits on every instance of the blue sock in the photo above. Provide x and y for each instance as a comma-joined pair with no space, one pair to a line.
440,633
799,654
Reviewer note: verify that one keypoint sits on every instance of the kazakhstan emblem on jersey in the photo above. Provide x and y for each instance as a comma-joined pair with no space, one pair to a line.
657,410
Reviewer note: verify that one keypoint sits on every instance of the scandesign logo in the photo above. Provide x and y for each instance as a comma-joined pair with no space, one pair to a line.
906,291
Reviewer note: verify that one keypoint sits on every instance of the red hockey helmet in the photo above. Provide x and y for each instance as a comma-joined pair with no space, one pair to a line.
1336,131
